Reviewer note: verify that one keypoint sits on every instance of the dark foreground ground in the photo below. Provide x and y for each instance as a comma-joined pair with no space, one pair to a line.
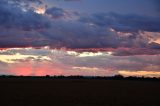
78,92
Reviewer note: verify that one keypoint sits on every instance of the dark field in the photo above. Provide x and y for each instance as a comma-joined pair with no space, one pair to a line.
78,92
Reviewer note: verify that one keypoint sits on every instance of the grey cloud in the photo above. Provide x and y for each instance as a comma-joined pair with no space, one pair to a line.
157,5
56,12
13,16
137,51
29,29
126,23
114,63
79,35
103,62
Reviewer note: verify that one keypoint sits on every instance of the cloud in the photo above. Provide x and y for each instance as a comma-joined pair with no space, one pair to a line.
157,5
124,23
30,61
61,28
56,12
59,41
13,16
135,51
140,73
70,0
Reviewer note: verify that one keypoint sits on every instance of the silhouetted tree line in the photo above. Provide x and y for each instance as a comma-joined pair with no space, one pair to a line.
116,77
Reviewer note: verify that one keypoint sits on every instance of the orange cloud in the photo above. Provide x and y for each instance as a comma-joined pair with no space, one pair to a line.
40,10
140,73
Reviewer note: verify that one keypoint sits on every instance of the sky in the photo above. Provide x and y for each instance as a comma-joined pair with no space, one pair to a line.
80,37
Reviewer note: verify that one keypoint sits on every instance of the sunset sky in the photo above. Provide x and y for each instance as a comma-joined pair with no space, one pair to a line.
80,37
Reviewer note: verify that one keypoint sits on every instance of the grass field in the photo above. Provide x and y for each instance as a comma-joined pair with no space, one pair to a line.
78,92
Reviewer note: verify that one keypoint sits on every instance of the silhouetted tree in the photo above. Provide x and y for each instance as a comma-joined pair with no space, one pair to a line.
118,76
47,76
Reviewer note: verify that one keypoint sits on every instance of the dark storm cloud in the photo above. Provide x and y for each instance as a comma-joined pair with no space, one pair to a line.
13,16
72,0
18,2
21,28
79,35
137,51
154,46
55,12
127,23
76,34
157,5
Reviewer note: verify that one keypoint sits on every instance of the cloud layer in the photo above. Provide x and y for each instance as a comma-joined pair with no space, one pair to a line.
21,26
38,38
30,61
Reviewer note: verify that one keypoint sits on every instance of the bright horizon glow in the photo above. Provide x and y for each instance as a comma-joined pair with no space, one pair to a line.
140,73
46,61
